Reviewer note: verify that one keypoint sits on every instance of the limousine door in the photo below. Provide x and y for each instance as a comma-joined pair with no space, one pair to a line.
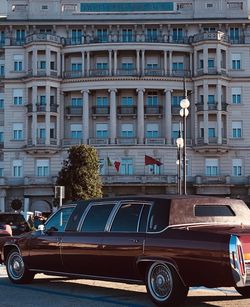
123,244
44,247
81,248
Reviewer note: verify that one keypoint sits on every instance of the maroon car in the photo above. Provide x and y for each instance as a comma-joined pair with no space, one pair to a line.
169,243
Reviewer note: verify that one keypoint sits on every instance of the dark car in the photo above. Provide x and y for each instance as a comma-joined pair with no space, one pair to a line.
16,221
169,243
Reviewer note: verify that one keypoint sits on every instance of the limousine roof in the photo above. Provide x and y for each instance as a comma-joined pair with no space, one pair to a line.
185,209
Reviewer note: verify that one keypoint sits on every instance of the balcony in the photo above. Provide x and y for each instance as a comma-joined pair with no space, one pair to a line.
211,141
126,72
41,107
40,180
42,73
126,141
213,180
29,107
126,110
211,36
43,37
175,110
139,179
155,141
211,106
181,73
73,74
153,110
98,141
74,110
98,72
154,72
179,40
70,142
100,111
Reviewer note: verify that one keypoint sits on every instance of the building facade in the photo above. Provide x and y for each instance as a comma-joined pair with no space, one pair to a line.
110,74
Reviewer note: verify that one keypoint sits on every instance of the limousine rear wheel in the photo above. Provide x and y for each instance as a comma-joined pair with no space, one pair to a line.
164,285
16,268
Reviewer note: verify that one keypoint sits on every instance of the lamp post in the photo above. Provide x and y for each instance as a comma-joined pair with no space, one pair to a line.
184,113
179,143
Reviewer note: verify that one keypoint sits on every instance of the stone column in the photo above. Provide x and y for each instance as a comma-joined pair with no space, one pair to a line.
143,62
34,62
165,63
85,116
195,62
88,63
34,115
218,59
113,118
205,60
191,63
83,63
115,62
219,113
138,61
170,62
140,115
205,113
48,59
110,63
63,65
58,63
47,115
168,116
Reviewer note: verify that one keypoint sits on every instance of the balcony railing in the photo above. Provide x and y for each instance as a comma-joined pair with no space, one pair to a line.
100,110
43,37
126,110
153,110
155,141
41,107
126,141
39,180
69,142
98,72
211,106
175,110
140,179
213,179
216,36
126,72
98,141
211,141
181,73
154,72
74,110
73,74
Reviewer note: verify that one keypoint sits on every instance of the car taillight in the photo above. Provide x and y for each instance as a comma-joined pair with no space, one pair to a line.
241,260
237,255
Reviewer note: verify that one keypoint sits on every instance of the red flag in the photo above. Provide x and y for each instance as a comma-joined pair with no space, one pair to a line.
149,161
117,165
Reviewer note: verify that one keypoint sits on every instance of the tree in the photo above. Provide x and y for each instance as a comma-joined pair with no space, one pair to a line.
80,174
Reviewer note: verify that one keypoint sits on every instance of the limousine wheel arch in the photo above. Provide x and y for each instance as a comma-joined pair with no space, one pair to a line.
244,291
16,268
164,285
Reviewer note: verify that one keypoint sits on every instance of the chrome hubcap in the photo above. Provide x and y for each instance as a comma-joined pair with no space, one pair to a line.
160,281
15,266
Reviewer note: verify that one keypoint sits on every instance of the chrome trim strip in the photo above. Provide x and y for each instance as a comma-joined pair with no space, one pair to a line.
240,280
96,277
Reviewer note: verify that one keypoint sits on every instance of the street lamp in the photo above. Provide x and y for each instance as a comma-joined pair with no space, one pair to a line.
179,143
184,113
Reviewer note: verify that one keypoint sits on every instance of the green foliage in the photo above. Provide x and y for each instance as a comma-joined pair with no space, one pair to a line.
80,174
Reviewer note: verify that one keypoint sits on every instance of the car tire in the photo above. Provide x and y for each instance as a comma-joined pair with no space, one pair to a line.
164,285
16,268
244,291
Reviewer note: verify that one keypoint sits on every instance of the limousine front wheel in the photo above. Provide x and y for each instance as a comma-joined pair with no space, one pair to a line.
164,285
16,268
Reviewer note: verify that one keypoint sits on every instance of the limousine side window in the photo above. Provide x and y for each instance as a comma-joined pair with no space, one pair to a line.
59,220
97,217
213,210
127,218
159,216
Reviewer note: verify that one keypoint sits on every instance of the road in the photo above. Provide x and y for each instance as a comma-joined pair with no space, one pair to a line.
56,291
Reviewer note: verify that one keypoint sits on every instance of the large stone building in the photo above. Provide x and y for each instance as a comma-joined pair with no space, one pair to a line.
110,74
